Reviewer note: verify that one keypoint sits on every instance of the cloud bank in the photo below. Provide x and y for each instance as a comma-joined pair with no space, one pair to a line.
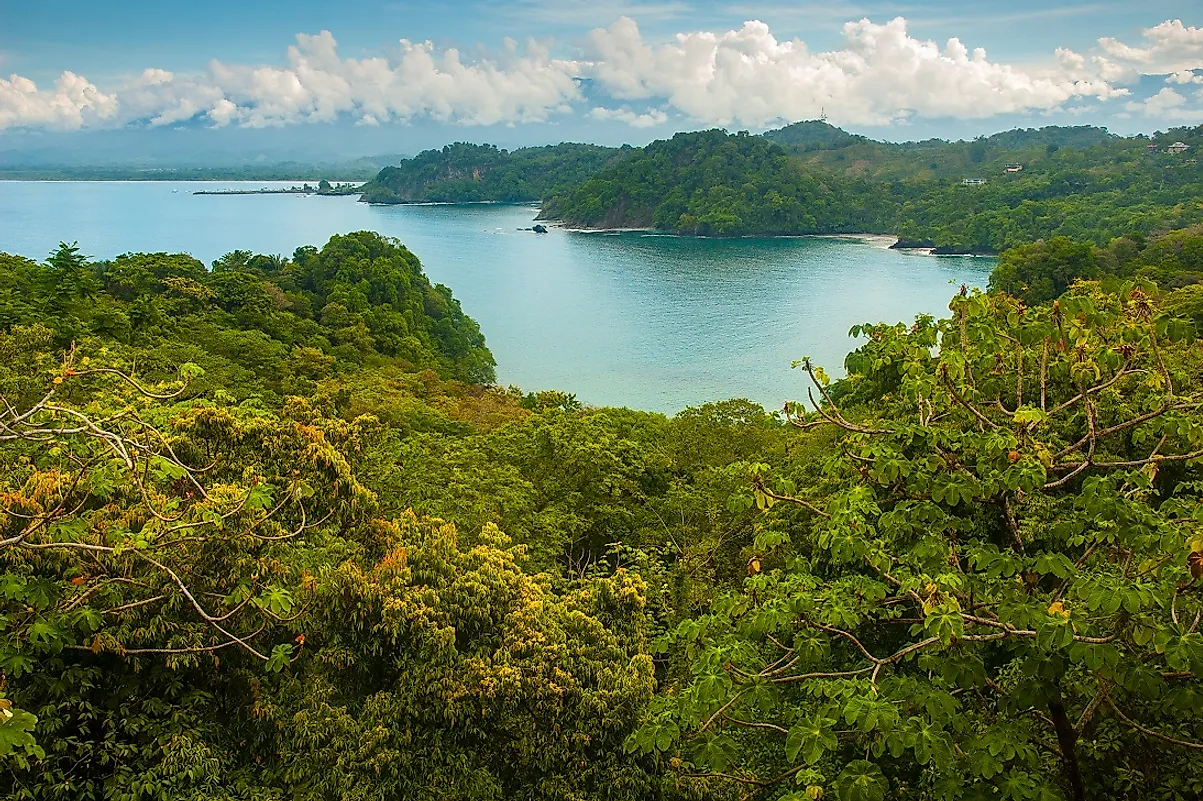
881,74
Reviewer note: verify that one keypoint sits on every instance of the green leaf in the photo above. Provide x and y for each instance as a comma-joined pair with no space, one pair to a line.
810,739
944,623
16,727
189,371
861,780
260,496
1027,414
666,735
279,659
716,752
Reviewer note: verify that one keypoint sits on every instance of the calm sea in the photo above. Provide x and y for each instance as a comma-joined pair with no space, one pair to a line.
646,321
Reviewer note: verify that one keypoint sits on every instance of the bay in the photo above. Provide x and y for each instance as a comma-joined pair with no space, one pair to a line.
624,319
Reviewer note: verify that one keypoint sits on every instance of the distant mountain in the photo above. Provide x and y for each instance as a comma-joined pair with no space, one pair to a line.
53,165
462,173
353,172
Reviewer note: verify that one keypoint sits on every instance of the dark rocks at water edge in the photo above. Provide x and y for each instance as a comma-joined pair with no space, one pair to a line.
912,244
538,229
939,250
948,250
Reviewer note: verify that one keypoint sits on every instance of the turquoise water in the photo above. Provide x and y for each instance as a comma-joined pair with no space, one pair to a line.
647,321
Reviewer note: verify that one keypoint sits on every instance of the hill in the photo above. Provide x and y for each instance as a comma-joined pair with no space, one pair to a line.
466,173
1116,187
708,183
809,135
982,196
818,144
359,300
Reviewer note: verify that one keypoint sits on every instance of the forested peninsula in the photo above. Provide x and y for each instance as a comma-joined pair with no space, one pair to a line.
467,173
270,531
981,196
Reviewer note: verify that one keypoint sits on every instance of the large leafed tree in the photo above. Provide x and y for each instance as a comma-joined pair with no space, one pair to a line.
987,583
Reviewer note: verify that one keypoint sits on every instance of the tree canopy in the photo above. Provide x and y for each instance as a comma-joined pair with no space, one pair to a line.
467,173
813,178
267,531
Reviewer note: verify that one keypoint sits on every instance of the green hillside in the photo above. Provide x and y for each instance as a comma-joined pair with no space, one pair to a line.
710,183
467,173
360,299
981,196
820,145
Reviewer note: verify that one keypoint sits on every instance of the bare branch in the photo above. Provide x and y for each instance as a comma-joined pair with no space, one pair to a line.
1151,732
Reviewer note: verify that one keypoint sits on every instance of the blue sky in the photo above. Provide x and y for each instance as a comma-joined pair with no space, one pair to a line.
617,69
40,39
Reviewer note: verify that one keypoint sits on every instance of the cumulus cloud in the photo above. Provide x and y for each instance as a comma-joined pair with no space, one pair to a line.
1165,105
1169,47
1183,77
72,103
648,119
162,98
514,85
317,85
881,75
746,76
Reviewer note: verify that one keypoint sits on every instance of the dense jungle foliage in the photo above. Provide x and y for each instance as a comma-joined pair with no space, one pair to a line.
710,183
814,178
1043,270
822,145
465,173
269,533
1076,182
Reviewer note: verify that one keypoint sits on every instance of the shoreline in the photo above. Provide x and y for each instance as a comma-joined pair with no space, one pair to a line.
882,241
218,192
528,203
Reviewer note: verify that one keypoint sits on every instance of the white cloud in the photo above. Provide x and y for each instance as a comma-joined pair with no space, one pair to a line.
72,103
649,119
1171,47
882,75
317,85
1167,105
515,85
162,98
1184,77
747,76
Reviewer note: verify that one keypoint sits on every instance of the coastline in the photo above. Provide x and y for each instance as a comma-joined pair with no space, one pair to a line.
529,203
882,241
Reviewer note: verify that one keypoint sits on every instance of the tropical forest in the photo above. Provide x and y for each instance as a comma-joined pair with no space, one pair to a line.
271,529
980,196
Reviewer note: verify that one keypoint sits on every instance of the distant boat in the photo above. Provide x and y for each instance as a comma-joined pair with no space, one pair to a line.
175,191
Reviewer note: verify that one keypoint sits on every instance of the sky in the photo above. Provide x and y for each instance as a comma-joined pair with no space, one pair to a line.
395,75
